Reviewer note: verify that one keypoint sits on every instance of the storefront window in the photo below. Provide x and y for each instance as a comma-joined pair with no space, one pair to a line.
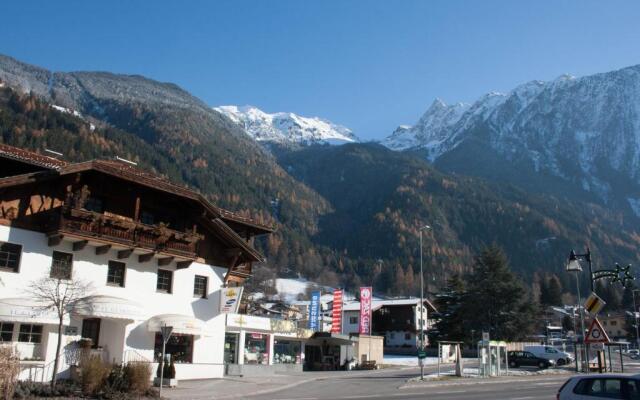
30,333
6,331
255,349
286,352
179,347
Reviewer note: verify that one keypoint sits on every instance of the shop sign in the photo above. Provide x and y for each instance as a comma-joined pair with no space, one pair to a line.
365,311
230,299
248,322
336,315
314,311
282,326
256,336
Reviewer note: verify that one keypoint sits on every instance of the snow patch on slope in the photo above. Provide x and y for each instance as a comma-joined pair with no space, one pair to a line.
635,205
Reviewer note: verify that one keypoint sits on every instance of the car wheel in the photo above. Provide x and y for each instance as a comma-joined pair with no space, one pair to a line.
542,365
513,364
561,361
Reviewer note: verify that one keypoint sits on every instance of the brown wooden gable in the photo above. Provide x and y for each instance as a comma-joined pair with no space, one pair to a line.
55,202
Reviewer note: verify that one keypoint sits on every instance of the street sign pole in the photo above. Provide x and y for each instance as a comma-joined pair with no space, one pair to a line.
166,334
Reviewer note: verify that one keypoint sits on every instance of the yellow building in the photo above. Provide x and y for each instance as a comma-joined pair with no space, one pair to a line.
615,325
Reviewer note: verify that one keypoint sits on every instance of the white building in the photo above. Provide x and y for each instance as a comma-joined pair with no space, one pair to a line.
152,253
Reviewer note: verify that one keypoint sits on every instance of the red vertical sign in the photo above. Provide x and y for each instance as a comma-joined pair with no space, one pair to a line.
336,316
365,311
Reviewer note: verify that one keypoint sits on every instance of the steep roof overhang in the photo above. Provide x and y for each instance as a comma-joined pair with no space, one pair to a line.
215,217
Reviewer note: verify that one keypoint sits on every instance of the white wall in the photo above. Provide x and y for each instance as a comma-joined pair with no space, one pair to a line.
140,287
398,339
347,326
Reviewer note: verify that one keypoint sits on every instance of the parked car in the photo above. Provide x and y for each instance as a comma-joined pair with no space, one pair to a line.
634,353
605,386
527,359
550,353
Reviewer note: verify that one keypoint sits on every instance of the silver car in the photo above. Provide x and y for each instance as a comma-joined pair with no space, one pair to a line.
601,386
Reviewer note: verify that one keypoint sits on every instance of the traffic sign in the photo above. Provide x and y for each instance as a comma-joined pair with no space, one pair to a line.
422,354
594,304
596,333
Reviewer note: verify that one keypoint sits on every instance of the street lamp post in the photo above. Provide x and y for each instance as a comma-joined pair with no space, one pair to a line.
574,266
422,303
635,315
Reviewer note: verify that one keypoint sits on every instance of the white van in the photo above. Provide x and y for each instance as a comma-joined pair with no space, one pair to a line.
550,353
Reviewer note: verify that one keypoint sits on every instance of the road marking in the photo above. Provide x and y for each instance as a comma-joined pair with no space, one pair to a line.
451,392
545,383
299,398
523,398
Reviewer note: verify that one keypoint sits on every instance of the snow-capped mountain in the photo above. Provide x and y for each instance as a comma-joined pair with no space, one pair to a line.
582,131
287,128
432,128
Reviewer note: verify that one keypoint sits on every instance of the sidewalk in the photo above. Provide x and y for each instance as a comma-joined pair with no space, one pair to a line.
235,387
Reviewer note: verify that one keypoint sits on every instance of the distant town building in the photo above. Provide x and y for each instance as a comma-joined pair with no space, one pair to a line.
615,324
397,320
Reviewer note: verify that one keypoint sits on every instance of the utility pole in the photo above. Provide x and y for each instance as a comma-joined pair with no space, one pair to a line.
422,304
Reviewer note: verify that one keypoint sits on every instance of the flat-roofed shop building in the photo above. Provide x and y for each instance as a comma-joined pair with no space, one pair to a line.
153,253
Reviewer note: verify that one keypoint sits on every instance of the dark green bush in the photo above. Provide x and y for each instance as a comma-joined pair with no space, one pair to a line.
27,390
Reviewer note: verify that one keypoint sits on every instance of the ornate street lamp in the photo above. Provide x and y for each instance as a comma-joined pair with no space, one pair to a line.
574,266
617,274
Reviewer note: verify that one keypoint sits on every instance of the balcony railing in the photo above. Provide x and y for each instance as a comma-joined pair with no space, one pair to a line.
126,232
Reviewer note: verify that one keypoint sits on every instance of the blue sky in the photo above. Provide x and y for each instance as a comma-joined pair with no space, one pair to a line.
369,65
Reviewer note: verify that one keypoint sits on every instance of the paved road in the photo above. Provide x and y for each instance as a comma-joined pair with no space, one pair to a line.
387,385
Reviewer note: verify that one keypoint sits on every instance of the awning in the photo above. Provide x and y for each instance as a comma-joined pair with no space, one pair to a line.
183,324
28,311
109,307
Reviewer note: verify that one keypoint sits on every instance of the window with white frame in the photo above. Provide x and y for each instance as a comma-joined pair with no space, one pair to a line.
10,256
61,265
165,280
115,273
200,284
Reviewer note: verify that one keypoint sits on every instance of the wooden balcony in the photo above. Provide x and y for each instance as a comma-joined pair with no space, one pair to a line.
110,229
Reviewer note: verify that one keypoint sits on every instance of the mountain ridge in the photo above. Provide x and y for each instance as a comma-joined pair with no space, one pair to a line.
584,131
287,128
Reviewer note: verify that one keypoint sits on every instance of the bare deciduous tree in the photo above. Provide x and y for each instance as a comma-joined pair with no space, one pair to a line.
60,295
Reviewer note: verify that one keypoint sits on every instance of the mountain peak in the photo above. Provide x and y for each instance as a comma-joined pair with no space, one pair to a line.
597,116
286,128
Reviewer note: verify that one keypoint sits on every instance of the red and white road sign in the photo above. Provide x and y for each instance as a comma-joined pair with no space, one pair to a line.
596,333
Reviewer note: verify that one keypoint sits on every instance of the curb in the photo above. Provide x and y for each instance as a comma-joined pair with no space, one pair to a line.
479,381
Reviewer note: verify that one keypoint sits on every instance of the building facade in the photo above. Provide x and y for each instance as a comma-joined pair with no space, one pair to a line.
397,320
147,253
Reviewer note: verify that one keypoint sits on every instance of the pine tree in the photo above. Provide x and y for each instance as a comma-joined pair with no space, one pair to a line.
554,291
496,300
450,325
